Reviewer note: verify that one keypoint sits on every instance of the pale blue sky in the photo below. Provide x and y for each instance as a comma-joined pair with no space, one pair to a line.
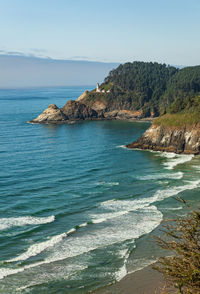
107,30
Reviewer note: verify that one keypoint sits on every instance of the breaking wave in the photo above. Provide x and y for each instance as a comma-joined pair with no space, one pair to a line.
6,223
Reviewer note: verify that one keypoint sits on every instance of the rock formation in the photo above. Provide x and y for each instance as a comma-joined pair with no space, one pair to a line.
83,95
184,139
73,110
50,115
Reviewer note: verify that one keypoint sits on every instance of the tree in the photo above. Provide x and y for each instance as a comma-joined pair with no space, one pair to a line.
182,238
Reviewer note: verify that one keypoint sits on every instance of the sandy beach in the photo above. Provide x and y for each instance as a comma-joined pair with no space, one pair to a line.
145,281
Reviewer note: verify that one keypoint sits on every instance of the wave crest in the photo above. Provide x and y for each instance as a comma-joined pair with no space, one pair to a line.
6,223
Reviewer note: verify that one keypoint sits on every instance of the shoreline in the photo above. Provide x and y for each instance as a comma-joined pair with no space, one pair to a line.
53,122
143,281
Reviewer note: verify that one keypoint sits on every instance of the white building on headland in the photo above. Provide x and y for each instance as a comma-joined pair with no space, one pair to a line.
98,90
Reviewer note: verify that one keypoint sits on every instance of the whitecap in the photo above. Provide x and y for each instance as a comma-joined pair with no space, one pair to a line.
173,208
37,248
122,146
100,218
178,159
160,176
166,154
73,230
83,225
125,206
103,183
6,223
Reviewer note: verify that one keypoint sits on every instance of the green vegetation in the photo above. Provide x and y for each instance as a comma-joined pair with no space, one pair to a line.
181,270
148,86
181,112
177,120
185,84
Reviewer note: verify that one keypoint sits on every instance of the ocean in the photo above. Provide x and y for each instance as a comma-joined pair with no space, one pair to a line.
77,209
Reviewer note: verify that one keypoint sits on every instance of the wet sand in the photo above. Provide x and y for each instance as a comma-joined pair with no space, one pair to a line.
145,281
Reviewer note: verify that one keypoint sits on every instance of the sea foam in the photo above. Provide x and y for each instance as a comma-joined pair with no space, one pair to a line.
176,160
159,176
6,223
37,248
119,231
128,220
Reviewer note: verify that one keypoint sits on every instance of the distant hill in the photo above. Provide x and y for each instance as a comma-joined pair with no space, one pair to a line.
22,71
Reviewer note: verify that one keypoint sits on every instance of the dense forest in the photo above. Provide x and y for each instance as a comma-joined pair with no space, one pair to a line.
150,87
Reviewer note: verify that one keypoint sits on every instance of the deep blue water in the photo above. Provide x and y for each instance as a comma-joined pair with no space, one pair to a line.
75,205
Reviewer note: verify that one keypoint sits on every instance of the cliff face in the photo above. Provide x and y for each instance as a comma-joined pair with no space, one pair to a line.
114,106
185,139
75,110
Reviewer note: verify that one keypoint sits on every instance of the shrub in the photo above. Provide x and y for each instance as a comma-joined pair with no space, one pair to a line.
182,269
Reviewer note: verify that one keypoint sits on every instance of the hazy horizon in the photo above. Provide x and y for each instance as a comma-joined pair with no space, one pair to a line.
19,71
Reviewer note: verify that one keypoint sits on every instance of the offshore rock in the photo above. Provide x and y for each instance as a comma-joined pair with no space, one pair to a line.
50,115
73,110
184,139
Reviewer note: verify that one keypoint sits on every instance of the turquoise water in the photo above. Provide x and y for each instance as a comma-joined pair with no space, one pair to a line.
76,207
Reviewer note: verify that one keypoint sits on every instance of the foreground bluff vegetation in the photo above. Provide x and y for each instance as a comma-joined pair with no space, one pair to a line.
181,268
146,87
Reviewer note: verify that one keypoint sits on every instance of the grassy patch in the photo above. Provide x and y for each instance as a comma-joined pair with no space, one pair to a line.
178,119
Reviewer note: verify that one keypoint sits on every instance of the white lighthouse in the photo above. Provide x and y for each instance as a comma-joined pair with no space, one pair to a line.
98,89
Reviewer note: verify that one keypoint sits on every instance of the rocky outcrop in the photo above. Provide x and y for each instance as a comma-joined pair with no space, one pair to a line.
124,114
185,139
82,96
52,114
73,110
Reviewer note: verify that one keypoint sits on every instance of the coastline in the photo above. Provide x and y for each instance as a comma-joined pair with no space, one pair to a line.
53,122
143,281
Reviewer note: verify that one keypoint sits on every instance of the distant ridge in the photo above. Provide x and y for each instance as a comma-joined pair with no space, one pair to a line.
18,71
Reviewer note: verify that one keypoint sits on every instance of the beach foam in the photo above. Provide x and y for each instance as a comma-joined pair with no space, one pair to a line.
122,272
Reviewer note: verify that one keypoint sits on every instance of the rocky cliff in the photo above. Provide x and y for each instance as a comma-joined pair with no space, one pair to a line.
184,139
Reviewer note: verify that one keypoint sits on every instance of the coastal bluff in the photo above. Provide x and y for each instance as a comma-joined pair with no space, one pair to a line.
182,139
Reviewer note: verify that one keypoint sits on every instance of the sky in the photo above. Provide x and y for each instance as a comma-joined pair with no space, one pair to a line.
166,31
